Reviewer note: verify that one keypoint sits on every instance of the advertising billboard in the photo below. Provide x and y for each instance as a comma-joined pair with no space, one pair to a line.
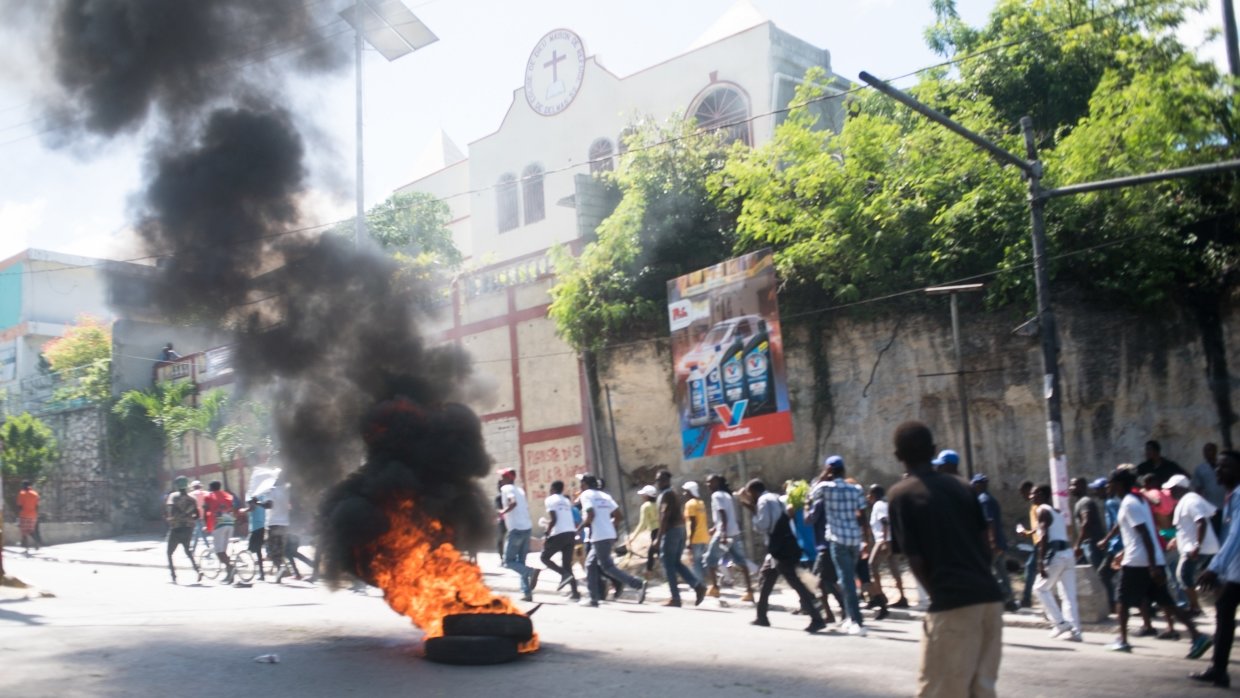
728,357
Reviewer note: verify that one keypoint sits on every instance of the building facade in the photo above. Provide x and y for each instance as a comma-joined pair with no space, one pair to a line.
532,186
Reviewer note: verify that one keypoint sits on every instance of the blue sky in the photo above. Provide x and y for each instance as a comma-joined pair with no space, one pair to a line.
78,201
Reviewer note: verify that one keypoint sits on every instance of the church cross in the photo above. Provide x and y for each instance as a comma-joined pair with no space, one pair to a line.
552,64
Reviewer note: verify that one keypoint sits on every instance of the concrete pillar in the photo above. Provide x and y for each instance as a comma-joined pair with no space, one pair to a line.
1090,595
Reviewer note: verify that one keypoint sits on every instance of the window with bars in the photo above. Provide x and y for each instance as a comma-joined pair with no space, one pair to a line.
600,156
532,193
724,108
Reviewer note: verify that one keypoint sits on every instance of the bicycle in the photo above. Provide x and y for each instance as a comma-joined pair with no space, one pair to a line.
245,565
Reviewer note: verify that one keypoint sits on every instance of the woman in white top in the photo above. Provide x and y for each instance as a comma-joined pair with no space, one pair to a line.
1056,567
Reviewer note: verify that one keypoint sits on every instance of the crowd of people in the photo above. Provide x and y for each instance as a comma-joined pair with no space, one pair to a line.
1154,533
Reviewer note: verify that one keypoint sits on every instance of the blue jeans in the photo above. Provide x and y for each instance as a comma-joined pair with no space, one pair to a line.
716,549
697,551
1031,573
845,559
672,548
598,561
516,547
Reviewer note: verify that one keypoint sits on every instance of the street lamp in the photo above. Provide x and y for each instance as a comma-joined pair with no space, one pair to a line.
393,30
954,291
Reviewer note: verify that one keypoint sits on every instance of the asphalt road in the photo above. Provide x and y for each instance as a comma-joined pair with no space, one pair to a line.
115,630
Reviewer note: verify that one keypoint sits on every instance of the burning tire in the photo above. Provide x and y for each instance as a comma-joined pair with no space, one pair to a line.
516,627
472,650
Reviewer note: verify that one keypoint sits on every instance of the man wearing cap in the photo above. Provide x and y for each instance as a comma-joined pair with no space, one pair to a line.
995,538
841,506
1223,574
699,531
648,521
671,538
947,462
181,513
1194,535
1056,568
515,512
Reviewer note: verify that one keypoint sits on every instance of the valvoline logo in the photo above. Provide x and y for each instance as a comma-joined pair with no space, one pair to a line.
734,415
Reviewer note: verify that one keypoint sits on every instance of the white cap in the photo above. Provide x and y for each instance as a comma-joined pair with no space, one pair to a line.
648,491
1177,481
692,488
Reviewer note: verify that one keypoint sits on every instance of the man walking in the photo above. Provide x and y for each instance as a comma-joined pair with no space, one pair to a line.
256,512
1056,568
1205,483
880,554
600,517
996,539
939,525
200,531
671,537
28,516
515,512
219,508
699,531
279,512
1223,575
181,513
1142,576
560,538
725,536
1194,536
842,506
1154,464
783,553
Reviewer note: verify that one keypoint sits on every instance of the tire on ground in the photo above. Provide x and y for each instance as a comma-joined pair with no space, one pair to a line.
500,625
472,650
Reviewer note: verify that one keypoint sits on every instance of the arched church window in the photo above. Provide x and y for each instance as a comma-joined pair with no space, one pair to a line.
600,156
724,108
532,193
506,203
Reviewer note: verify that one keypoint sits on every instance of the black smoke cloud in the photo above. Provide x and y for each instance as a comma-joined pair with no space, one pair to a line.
327,329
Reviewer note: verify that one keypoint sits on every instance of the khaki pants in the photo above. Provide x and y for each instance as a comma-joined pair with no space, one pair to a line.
960,651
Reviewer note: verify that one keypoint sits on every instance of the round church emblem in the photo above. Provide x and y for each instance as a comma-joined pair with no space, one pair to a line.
554,72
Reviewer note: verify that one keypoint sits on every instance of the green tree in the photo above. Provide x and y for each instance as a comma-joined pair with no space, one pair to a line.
29,447
413,227
163,405
665,225
83,360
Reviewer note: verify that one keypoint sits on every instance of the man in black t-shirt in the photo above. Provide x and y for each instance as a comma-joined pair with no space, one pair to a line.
1162,468
937,521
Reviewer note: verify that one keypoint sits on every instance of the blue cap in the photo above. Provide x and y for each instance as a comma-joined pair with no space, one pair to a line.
1098,484
945,457
980,478
834,462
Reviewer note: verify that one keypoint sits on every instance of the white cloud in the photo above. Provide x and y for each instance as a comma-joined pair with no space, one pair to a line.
18,222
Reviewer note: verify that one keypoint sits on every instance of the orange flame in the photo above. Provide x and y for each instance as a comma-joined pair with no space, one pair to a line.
424,577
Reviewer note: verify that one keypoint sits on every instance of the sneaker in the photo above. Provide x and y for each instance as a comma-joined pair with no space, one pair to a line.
671,603
1168,635
1222,680
1200,644
1012,607
814,626
527,596
856,630
1060,630
760,622
902,603
1146,632
882,613
641,593
747,596
588,602
1074,636
713,591
700,591
534,578
1118,646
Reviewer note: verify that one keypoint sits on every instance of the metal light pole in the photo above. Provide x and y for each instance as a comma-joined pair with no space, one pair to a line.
954,291
393,30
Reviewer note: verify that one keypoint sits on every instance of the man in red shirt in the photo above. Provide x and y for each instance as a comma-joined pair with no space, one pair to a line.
219,509
28,516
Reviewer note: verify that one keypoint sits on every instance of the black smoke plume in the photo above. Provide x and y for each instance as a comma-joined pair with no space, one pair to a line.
329,330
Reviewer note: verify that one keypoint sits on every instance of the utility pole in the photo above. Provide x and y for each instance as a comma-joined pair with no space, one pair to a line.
954,291
1229,36
359,226
1031,168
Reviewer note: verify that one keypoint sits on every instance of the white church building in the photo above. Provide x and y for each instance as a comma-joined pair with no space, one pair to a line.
526,200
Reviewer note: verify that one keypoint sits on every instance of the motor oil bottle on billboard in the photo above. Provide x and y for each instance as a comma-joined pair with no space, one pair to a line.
732,371
699,412
760,372
714,384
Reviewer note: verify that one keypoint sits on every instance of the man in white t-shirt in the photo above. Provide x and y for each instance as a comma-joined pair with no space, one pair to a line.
1194,535
278,503
516,514
600,515
1056,568
560,537
725,536
1141,575
880,554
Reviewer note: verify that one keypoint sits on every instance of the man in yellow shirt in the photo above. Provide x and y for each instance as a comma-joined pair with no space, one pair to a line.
699,529
648,520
